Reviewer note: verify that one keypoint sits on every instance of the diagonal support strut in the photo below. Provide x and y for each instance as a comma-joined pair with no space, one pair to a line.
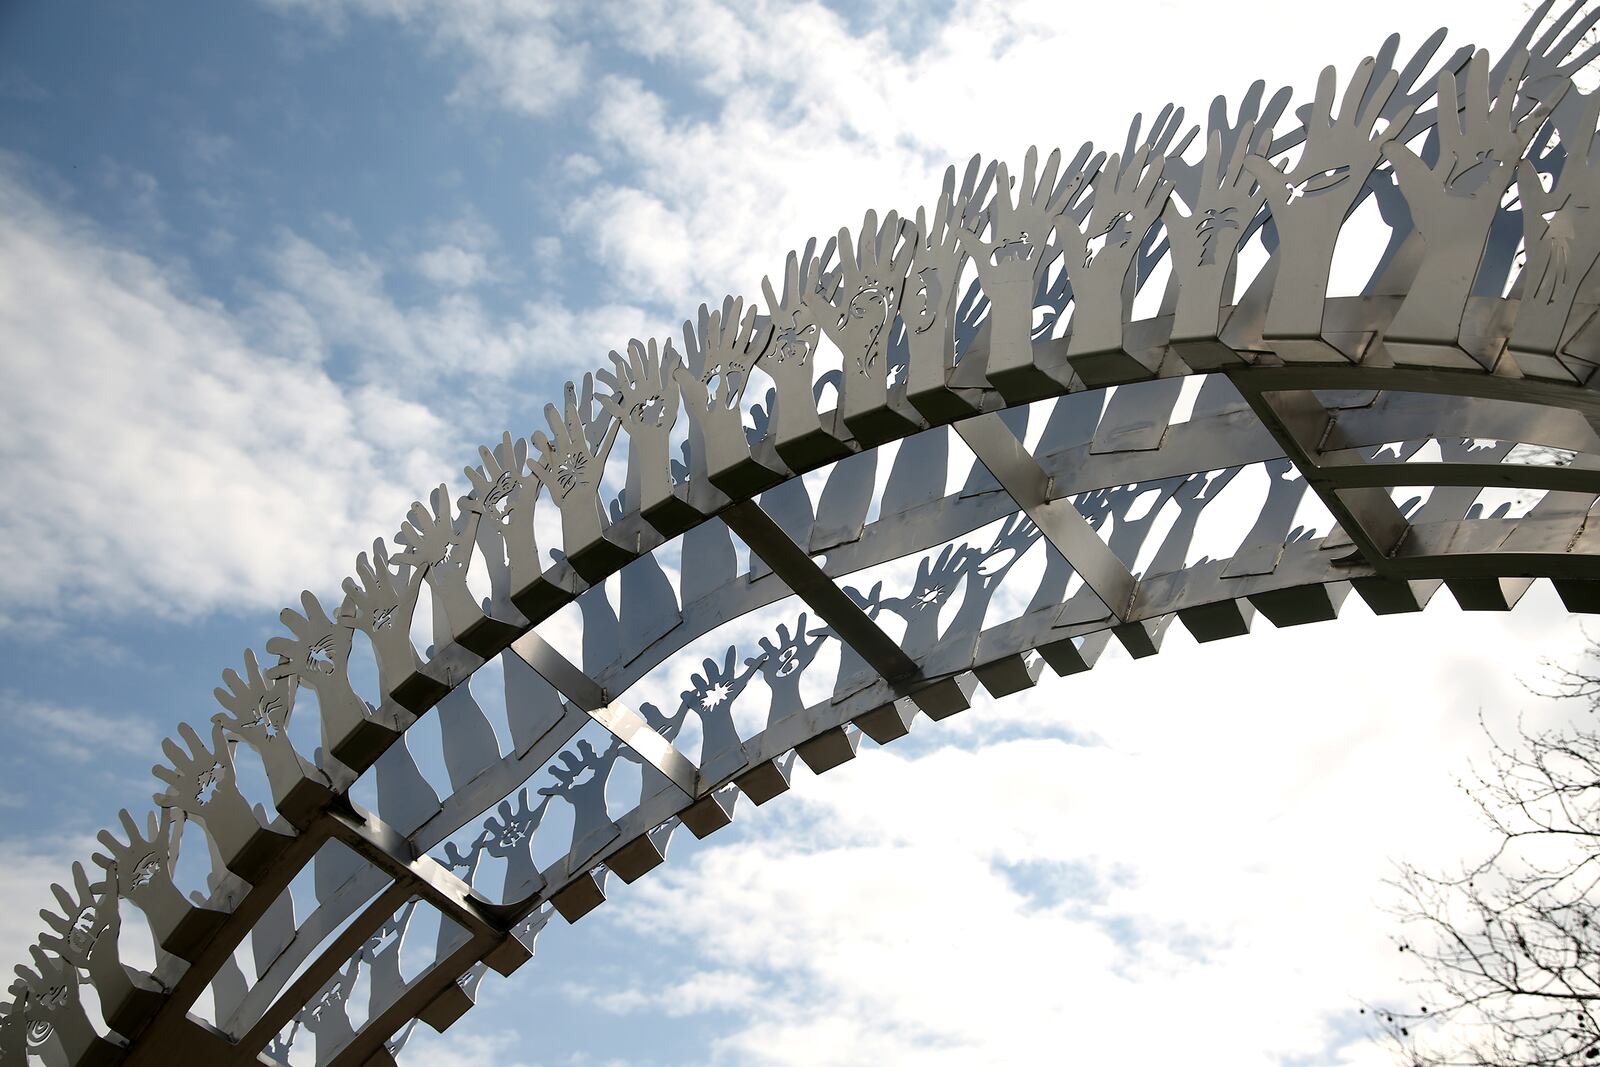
1304,429
628,725
822,594
1019,474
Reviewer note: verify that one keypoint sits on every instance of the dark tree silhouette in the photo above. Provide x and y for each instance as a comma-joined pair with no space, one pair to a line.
1510,945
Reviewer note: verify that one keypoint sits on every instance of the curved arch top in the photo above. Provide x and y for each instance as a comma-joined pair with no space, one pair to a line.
949,449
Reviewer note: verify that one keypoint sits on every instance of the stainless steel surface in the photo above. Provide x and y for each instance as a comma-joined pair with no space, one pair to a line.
1458,369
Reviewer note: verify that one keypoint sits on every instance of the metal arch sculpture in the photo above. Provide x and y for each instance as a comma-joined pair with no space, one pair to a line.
1002,316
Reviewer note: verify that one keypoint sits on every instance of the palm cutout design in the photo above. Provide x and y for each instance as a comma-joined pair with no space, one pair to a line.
782,659
644,402
140,868
1128,197
504,485
509,836
936,582
51,1005
569,464
933,288
441,546
720,354
202,785
796,429
84,933
1011,262
711,693
1562,245
1310,201
856,305
1454,200
581,781
380,602
257,707
317,653
1225,201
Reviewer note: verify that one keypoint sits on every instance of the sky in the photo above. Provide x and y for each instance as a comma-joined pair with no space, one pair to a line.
270,271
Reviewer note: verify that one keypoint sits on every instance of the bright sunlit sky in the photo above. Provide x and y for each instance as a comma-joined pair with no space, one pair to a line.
269,271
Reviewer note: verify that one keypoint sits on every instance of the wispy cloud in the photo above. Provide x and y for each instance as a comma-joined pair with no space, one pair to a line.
75,733
523,54
1209,872
169,465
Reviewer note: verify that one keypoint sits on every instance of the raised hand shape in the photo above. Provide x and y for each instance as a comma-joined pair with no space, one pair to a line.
201,780
327,1018
78,933
581,781
1309,203
727,344
382,606
781,662
201,783
140,868
1129,193
1013,259
441,546
1162,140
1454,201
51,1005
317,652
509,836
569,463
720,354
1205,242
504,485
796,429
933,288
84,933
381,954
1562,248
710,695
856,306
644,402
257,708
936,582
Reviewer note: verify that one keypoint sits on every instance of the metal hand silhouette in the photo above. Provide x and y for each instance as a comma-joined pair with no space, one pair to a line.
1309,202
645,403
569,465
1454,201
933,289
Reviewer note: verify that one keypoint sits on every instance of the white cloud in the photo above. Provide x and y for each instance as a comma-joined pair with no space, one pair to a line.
1197,873
498,1048
803,118
178,456
702,992
806,135
453,266
160,463
330,300
74,733
520,54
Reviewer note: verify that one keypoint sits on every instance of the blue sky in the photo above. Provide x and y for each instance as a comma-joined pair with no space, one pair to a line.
268,272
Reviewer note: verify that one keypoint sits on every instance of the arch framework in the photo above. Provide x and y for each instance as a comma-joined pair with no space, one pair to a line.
947,451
